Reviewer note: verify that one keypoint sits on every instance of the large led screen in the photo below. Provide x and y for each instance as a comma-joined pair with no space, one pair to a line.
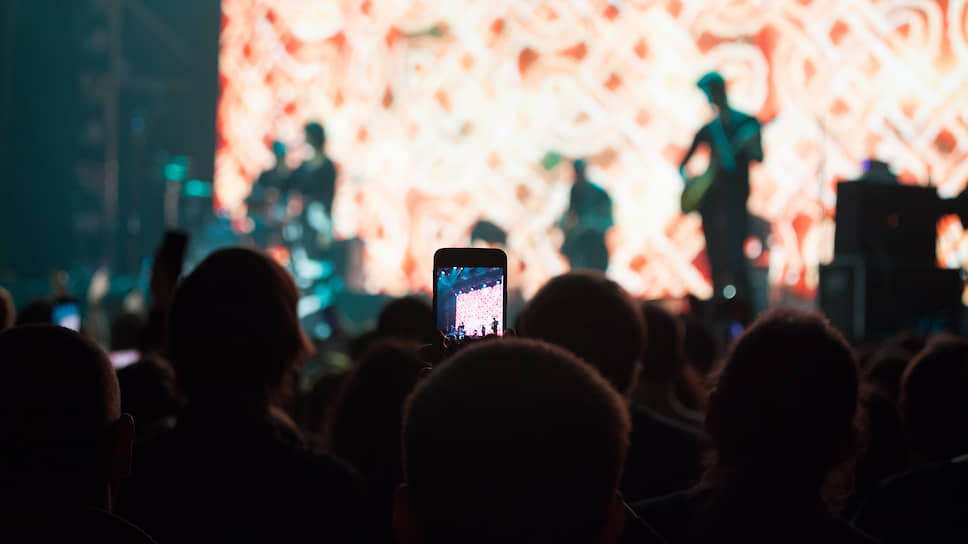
440,114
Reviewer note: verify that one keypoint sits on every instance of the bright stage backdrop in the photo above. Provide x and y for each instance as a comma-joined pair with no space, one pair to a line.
443,113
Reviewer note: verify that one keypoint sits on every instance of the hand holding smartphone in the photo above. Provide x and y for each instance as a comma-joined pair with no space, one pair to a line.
470,293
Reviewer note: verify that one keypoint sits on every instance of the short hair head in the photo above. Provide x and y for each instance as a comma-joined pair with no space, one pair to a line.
279,150
663,357
593,317
58,399
364,422
785,398
8,313
37,312
234,330
126,331
407,318
713,84
934,399
579,167
700,346
315,135
514,439
885,370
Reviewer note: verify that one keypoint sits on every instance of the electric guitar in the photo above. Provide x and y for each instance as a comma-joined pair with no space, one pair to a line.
695,189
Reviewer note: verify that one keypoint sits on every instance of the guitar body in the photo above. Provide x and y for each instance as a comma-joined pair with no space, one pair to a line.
695,190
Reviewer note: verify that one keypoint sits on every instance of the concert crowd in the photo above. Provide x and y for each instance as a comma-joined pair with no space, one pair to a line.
622,422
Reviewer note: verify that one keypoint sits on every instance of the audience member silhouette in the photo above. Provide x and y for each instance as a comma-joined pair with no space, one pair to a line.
364,424
701,352
885,369
148,384
595,319
314,407
37,312
884,452
66,445
930,502
662,365
126,330
782,421
148,393
235,468
513,441
407,318
8,313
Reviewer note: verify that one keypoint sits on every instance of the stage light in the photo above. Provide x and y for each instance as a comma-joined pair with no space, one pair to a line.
729,292
197,188
309,305
753,248
176,169
323,331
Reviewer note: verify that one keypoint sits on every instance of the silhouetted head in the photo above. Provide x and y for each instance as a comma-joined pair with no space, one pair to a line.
700,346
8,313
784,404
148,392
126,331
908,340
64,438
234,331
934,399
37,312
714,86
885,370
407,318
315,135
594,318
579,168
512,441
364,426
662,361
279,150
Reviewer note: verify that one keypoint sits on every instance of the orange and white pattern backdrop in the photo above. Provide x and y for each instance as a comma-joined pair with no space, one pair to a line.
440,113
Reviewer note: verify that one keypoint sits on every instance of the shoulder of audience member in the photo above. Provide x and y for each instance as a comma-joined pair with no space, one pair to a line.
669,514
894,497
842,532
53,525
671,426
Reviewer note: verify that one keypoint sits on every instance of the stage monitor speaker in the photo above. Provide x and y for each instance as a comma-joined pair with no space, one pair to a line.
868,302
887,223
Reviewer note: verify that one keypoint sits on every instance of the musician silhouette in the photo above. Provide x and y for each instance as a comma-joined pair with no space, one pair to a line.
266,203
315,181
720,194
588,218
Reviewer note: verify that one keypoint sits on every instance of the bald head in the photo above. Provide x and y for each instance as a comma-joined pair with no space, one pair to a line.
594,318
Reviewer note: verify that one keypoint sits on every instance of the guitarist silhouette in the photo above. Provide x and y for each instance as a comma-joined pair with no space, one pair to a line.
720,193
588,218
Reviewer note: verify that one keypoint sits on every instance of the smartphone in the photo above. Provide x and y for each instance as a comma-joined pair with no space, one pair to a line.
470,293
67,314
